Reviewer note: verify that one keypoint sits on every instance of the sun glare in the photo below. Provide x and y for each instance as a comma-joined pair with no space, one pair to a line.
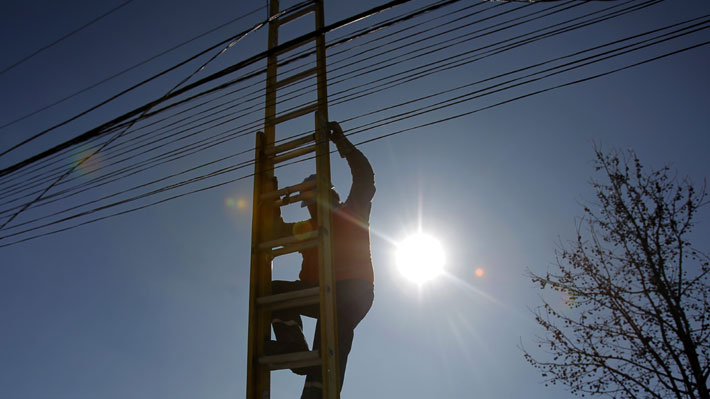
420,258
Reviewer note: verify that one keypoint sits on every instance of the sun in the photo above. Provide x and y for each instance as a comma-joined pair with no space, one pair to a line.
420,258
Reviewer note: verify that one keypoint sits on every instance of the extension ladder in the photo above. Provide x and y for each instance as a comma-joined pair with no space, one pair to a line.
267,197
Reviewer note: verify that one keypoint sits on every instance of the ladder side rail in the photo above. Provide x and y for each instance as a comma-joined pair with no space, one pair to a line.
328,315
328,309
258,376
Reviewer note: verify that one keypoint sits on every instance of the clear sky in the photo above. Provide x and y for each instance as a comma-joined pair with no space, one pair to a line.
153,304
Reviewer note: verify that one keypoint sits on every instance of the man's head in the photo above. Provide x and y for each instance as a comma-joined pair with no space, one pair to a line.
311,203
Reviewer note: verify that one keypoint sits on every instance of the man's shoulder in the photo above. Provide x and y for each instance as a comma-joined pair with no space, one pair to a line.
357,211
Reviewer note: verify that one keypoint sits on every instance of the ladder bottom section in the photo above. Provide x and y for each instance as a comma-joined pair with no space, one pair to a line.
291,360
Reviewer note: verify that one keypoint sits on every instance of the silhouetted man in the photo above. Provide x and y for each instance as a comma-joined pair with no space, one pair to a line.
352,265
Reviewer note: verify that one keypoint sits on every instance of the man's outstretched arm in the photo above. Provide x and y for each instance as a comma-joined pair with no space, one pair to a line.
363,188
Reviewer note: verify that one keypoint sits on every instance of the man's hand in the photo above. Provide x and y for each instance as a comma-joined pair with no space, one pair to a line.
338,137
336,132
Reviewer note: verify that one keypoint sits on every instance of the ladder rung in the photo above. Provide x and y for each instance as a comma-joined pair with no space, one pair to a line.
295,46
294,248
294,303
289,145
296,15
295,114
291,360
306,185
296,77
294,154
281,242
304,196
291,299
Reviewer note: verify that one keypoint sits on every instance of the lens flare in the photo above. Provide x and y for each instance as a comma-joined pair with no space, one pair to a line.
85,164
236,203
242,204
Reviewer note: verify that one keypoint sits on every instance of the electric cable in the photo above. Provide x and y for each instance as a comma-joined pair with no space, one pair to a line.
64,37
431,7
471,56
250,98
240,65
118,135
254,98
262,108
145,81
401,131
537,92
128,69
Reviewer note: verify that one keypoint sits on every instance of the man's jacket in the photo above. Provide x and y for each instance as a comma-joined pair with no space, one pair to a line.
351,228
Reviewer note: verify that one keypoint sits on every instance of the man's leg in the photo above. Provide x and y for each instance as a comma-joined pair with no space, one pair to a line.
287,323
354,299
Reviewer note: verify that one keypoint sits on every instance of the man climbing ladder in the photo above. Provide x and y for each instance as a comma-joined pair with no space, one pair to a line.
352,265
336,277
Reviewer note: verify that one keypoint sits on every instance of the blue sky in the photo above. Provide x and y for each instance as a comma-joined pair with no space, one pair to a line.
153,304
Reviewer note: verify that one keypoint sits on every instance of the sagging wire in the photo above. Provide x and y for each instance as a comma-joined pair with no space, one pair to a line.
126,70
120,133
389,120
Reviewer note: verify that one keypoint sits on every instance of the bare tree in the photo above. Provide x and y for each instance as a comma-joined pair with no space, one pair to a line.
633,322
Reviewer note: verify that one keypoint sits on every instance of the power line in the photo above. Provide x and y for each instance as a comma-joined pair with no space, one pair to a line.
119,134
331,64
144,111
240,65
292,97
344,75
479,58
65,36
128,69
390,120
686,30
160,201
441,2
97,131
351,118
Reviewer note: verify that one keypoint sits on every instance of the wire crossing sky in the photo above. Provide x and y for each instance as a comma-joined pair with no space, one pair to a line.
132,67
477,21
64,37
125,270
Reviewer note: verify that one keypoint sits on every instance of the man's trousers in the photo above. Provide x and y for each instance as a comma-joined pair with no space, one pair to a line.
353,301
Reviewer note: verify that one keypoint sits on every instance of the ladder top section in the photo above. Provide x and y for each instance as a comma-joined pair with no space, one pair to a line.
305,186
295,15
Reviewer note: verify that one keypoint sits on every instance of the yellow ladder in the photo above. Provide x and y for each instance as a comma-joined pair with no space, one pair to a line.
267,197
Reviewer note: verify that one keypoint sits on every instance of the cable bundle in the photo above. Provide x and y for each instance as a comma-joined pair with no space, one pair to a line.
177,146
